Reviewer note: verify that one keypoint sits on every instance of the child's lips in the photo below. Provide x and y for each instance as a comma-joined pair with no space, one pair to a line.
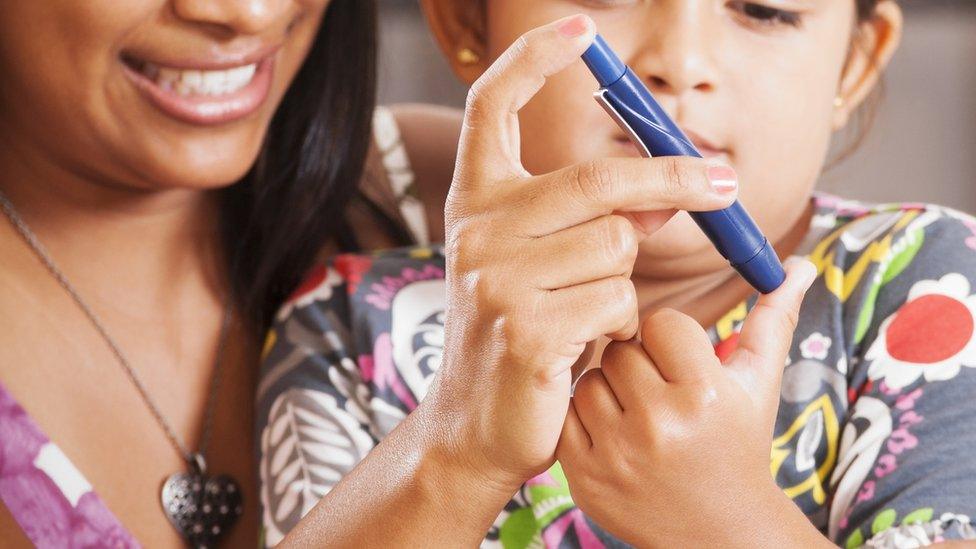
704,147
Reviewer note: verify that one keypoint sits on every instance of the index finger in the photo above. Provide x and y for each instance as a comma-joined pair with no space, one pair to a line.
490,128
767,333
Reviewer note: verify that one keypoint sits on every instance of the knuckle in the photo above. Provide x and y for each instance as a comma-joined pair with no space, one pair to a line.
619,244
621,292
478,94
522,49
594,180
468,243
791,318
704,397
677,180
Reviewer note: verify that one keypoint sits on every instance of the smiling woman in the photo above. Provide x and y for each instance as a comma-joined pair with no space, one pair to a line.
206,91
169,169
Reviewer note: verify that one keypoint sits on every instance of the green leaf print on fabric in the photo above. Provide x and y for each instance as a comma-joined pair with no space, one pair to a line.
902,258
549,502
855,540
903,252
884,520
549,498
519,530
918,515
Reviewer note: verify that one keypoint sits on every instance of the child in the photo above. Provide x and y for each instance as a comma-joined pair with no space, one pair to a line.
666,444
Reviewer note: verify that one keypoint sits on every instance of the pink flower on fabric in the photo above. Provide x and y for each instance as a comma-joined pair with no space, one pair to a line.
887,464
381,371
901,440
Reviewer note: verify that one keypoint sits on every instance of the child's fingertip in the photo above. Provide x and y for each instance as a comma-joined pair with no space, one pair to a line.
802,270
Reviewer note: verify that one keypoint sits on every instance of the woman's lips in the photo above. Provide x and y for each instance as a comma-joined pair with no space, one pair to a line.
204,93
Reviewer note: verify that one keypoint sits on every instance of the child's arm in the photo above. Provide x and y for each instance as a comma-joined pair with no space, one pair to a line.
666,446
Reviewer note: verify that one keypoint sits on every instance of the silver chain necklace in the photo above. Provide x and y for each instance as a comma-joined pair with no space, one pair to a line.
201,508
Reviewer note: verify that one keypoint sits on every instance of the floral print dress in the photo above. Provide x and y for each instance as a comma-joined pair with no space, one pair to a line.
875,439
48,496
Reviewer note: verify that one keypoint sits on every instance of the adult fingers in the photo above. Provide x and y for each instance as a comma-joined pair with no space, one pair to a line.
576,194
490,131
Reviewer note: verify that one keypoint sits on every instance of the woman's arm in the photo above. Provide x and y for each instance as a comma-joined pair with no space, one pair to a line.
412,491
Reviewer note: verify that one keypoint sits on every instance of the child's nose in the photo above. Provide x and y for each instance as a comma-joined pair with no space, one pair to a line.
675,55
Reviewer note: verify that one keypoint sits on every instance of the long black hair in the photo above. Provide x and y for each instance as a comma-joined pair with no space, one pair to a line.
277,219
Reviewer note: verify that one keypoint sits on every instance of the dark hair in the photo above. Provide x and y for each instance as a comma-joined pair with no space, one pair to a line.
865,9
863,118
275,221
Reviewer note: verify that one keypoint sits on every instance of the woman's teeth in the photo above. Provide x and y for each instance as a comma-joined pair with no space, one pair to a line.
195,82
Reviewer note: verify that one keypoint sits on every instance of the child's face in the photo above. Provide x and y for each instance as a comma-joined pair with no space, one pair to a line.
750,84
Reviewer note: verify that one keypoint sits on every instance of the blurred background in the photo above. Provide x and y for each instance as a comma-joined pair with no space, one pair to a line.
923,142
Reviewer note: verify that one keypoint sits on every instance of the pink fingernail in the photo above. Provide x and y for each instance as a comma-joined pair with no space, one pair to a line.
722,178
573,27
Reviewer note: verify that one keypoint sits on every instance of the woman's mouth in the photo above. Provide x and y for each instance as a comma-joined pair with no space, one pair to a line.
203,93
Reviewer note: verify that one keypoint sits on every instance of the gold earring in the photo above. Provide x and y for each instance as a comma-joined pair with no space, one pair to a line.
467,56
838,102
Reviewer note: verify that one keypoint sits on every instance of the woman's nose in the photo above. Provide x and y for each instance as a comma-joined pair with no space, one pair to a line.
675,56
238,16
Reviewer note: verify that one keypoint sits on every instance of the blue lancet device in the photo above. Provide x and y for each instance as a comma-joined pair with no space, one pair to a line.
628,101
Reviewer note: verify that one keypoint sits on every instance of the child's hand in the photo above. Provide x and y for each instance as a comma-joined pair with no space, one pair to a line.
667,445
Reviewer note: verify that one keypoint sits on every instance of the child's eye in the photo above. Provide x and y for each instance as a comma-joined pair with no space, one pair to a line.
766,15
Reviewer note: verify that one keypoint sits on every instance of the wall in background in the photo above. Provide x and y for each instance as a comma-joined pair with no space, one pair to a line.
923,142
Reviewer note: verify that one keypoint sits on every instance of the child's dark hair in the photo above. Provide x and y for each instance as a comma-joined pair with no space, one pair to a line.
865,9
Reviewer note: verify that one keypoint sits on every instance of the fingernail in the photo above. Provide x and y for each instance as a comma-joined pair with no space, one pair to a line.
573,27
803,269
723,179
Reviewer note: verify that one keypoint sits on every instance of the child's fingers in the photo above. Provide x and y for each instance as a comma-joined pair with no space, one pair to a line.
678,346
767,332
574,438
629,371
490,128
594,402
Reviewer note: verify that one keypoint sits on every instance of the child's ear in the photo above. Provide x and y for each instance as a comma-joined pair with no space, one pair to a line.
459,28
873,44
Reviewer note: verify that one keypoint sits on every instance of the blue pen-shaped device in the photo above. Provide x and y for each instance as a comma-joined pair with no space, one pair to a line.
628,101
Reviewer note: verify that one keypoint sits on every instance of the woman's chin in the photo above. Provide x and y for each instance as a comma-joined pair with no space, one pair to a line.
200,169
191,177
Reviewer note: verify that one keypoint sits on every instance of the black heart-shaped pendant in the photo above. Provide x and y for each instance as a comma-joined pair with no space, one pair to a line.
200,507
